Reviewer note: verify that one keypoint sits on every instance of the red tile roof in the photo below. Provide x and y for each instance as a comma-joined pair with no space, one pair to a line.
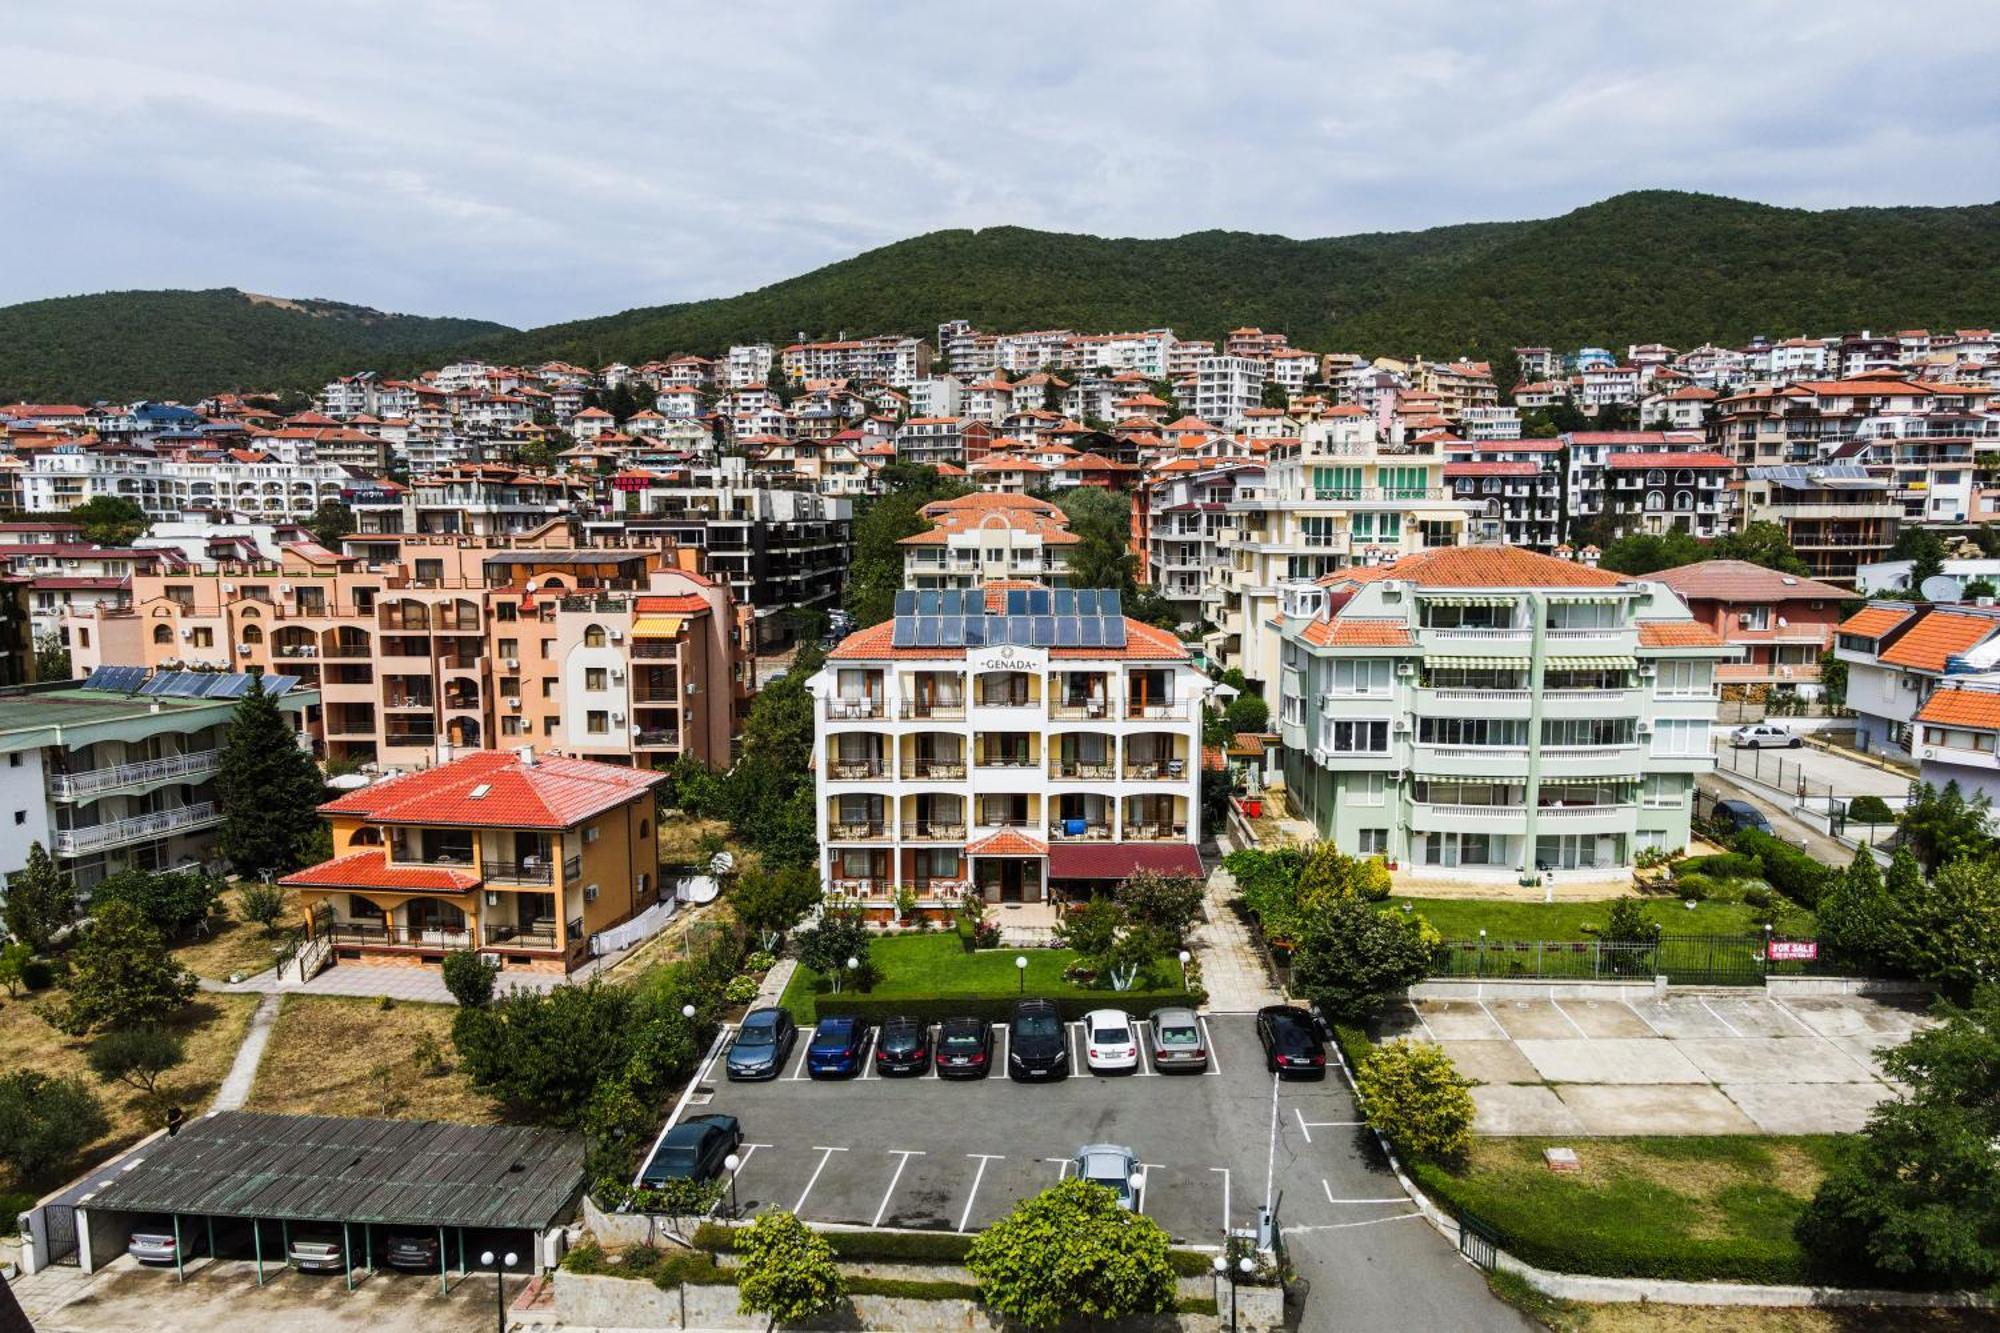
1677,634
1936,637
1342,633
1689,460
1484,567
1007,842
1492,469
1872,622
1963,708
1117,860
371,870
547,794
1741,581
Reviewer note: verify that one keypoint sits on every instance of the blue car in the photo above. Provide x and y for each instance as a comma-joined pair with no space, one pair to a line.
836,1047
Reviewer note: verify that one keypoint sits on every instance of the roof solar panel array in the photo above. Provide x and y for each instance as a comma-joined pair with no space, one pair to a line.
182,684
1027,618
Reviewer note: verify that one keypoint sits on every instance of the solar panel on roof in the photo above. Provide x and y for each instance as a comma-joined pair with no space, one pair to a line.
1086,601
975,631
927,603
1110,602
905,633
1038,601
927,631
1022,632
1091,630
275,685
1063,601
1068,632
951,631
1114,631
1017,601
1045,631
906,603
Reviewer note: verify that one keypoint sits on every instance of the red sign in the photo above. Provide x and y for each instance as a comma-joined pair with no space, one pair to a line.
1794,951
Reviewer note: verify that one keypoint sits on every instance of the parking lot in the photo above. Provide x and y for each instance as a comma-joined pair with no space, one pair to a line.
955,1155
1695,1062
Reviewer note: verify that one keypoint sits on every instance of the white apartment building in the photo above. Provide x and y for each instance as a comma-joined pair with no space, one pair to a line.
748,364
938,396
1483,424
1019,353
1024,743
1226,387
987,538
896,362
1185,507
1609,386
57,480
1143,353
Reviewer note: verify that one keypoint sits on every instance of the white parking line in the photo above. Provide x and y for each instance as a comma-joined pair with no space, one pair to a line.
1720,1019
1002,1029
1814,1033
1328,1189
805,1049
721,1044
1225,1197
1302,1124
1062,1162
1070,1037
1571,1021
1420,1019
1146,1170
867,1044
903,1156
977,1176
1643,1019
825,1155
1498,1026
1139,1030
1343,1226
1214,1064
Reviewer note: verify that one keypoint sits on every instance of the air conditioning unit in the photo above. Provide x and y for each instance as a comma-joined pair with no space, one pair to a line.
1649,668
618,636
187,634
513,664
617,719
242,650
1645,727
513,703
1322,758
284,587
1400,726
617,678
1929,753
590,893
229,587
1406,668
1394,775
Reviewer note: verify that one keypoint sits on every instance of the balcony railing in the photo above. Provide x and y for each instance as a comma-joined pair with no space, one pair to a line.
652,650
864,831
1089,708
1156,770
397,937
855,770
540,936
654,738
853,709
937,769
1136,831
950,710
1102,770
1477,696
1003,761
934,831
90,782
1146,709
531,871
138,828
1078,830
1579,811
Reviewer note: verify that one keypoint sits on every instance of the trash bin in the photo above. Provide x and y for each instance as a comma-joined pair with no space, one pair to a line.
1253,808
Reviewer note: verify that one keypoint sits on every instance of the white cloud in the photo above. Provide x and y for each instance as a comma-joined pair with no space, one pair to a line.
532,162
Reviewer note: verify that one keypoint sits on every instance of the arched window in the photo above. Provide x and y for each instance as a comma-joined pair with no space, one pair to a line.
366,837
593,636
1656,478
645,829
1684,477
253,634
1655,501
1683,499
163,634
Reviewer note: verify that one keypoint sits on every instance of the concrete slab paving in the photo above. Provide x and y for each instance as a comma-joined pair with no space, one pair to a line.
1614,1060
1683,1016
1532,1019
1522,1109
1496,1062
1655,1109
1853,1015
1830,1108
1751,1016
1459,1020
1397,1020
1604,1018
1773,1060
1866,1051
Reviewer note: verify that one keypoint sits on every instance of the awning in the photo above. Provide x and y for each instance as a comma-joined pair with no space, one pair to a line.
1593,664
1587,598
658,627
1477,663
1118,860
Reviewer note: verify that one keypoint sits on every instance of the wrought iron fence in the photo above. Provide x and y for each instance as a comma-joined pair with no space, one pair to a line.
1685,960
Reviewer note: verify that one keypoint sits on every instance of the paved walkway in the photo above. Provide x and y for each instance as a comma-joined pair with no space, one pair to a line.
1231,967
235,1089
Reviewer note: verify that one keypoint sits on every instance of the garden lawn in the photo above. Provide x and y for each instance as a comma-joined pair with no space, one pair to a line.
234,944
1695,1208
1464,918
934,965
344,1055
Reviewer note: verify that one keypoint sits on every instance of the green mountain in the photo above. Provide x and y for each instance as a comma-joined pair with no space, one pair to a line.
1655,265
184,345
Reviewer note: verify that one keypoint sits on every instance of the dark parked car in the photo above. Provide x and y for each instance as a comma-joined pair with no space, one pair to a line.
1741,815
964,1048
693,1150
903,1046
762,1045
412,1251
1292,1048
836,1047
1037,1042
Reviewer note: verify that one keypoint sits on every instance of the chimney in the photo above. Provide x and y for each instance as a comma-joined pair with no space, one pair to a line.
527,756
444,752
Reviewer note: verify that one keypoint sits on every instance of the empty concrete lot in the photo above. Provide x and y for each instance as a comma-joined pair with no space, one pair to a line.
132,1298
1694,1062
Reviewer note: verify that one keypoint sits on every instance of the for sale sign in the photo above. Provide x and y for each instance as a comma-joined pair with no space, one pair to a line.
1794,951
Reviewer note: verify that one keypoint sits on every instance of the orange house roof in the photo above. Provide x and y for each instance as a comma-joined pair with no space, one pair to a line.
1338,633
371,870
1963,708
1677,634
1872,622
1936,637
493,789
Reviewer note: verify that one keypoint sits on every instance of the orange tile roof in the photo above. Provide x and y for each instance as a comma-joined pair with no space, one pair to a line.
1007,842
1677,634
1339,633
1143,643
1214,760
371,870
1963,708
1483,567
547,794
1872,622
1937,636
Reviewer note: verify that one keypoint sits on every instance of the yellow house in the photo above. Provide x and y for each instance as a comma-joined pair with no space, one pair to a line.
519,856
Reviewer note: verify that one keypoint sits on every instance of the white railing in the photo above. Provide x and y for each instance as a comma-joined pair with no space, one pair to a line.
1586,696
1572,635
1579,811
1520,632
1486,696
1476,751
197,763
1472,811
93,837
1585,751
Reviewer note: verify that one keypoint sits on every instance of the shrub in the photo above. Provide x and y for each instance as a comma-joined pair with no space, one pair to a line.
121,976
786,1270
469,976
1071,1253
15,960
1697,887
740,990
1869,810
137,1057
1414,1094
262,903
1722,865
173,902
1353,957
1760,898
992,1008
44,1123
760,961
1788,870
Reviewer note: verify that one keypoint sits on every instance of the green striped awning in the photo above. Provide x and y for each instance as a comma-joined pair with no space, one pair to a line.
1477,663
1593,664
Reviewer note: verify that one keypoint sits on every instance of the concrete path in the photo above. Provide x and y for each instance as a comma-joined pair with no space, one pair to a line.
235,1089
1231,967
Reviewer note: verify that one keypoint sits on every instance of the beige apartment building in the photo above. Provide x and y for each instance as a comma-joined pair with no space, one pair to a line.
422,646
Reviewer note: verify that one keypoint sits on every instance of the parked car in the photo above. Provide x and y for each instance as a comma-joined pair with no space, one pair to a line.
153,1242
1177,1040
762,1045
412,1251
1110,1044
1111,1166
903,1046
1764,736
1292,1046
836,1047
313,1251
1741,815
964,1048
693,1150
1037,1044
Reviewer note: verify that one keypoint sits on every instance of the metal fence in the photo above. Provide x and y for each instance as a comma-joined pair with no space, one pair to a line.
1685,960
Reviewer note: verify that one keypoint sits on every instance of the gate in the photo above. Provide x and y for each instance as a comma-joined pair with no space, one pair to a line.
60,1221
1478,1242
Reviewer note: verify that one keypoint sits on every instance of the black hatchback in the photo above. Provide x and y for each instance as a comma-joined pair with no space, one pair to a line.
1037,1042
964,1048
903,1046
1292,1048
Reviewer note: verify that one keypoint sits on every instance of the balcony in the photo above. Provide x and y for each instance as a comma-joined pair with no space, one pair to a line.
656,738
1079,830
96,781
540,937
867,830
1156,770
652,650
534,870
856,770
1087,710
118,833
951,710
1155,832
933,830
1095,770
1170,710
853,710
370,936
937,770
1004,761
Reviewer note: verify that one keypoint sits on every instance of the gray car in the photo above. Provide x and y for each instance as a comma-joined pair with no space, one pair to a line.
153,1242
317,1252
762,1045
1112,1166
1177,1040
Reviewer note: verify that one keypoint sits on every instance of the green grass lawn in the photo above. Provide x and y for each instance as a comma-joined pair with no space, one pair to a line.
1464,918
934,965
1694,1208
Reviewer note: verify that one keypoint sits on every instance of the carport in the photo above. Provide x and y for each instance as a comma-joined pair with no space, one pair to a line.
477,1187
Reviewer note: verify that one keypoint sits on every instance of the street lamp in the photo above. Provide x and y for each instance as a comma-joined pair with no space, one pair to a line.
1137,1180
1021,971
853,965
500,1285
1221,1268
687,1012
732,1164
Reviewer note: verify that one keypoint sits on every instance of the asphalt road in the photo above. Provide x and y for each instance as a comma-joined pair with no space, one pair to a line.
948,1155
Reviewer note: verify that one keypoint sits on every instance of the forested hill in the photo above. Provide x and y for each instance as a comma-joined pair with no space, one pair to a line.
184,345
1650,266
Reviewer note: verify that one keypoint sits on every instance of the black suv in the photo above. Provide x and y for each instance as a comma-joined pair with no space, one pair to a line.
964,1047
903,1046
1037,1041
1292,1047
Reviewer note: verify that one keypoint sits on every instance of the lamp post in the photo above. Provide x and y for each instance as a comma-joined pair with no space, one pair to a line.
1021,971
853,965
1137,1180
732,1164
1222,1268
500,1285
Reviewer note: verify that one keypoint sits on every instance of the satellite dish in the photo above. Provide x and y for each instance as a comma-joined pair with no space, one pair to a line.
348,782
721,863
1941,588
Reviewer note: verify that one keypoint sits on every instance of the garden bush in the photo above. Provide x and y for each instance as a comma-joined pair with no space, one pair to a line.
1788,870
740,990
1697,887
1722,865
1869,810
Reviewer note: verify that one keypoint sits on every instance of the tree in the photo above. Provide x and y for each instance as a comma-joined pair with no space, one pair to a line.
1859,923
1135,949
1925,551
469,976
40,901
875,573
15,960
1071,1254
544,1055
1351,957
1169,903
270,788
120,975
1761,543
1413,1094
1275,396
1629,926
770,902
826,947
785,1269
1917,1196
1247,712
51,657
1102,521
1941,826
262,903
110,520
330,523
44,1123
1833,679
1645,552
173,902
1949,931
1329,874
137,1056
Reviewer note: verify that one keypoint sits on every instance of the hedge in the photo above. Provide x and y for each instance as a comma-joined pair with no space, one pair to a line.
994,1008
1788,870
912,1290
911,1247
1722,865
1197,1305
665,1267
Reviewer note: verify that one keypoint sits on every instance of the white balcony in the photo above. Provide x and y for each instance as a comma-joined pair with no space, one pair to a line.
139,828
97,781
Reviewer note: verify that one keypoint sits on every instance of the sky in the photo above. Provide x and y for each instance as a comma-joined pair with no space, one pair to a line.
535,163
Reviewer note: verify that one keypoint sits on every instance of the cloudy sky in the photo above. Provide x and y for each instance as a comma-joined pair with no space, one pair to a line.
530,163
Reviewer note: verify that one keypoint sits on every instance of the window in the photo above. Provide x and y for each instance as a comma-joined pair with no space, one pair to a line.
204,637
597,722
1362,676
1562,731
1365,788
510,648
594,678
1472,731
163,634
1661,791
593,637
1682,678
1360,737
253,634
1755,617
1680,736
548,649
1372,841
